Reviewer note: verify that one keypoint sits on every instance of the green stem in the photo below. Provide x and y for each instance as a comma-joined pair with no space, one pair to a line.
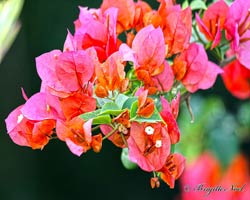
190,108
124,140
110,133
198,36
227,61
185,96
95,128
214,54
53,137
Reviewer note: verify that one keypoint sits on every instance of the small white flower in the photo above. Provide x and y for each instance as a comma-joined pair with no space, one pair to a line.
149,130
158,143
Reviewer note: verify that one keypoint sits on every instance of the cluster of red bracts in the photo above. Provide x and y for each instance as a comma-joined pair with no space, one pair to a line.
234,22
94,64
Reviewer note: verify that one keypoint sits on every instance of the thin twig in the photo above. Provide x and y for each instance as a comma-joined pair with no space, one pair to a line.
110,133
124,140
227,61
95,128
190,108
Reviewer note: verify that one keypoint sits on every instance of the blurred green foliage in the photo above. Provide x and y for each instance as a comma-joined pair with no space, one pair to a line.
9,24
214,129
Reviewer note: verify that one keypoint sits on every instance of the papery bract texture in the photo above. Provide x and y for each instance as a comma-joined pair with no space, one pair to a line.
104,41
213,21
176,26
111,75
169,116
149,145
126,12
173,169
237,27
65,72
237,79
194,70
26,132
76,133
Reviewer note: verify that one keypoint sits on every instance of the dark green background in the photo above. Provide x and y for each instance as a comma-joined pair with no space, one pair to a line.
55,173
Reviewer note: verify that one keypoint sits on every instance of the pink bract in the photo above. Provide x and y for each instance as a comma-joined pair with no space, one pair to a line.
236,79
149,48
212,22
143,148
169,115
194,70
237,30
76,133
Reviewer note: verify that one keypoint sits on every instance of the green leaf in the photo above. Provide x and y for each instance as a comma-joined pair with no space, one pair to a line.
128,103
133,110
156,117
90,115
102,101
97,117
9,24
111,108
125,160
120,100
102,119
131,74
197,5
185,4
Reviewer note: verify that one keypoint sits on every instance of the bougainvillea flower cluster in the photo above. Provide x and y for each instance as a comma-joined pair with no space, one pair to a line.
122,76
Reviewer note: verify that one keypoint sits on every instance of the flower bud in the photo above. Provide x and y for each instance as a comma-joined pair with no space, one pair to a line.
96,143
154,182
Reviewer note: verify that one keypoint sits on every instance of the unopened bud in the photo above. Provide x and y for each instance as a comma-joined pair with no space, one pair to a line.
96,143
154,182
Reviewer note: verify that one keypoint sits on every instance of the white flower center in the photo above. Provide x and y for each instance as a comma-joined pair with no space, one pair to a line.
19,118
158,143
149,130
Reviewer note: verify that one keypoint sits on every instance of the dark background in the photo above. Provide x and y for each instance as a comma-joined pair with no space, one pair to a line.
54,172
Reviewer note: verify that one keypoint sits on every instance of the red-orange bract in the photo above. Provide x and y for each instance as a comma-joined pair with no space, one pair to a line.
145,105
237,79
76,133
77,104
176,26
169,115
213,21
126,12
111,75
173,169
149,145
194,70
25,132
